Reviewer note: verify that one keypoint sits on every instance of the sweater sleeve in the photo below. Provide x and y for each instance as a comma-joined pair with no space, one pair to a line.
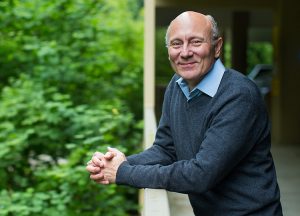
233,131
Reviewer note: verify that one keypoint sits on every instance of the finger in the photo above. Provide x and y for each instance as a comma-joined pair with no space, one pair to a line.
96,161
97,177
90,163
93,169
109,155
98,155
114,151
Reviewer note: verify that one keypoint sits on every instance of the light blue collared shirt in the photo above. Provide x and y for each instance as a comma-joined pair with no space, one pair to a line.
208,85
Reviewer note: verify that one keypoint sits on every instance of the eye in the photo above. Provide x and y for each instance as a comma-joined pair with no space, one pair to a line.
176,44
196,42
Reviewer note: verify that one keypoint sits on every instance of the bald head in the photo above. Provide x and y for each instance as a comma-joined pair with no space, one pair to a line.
206,21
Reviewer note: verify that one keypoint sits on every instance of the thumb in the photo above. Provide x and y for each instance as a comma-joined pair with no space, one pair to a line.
116,152
113,150
109,155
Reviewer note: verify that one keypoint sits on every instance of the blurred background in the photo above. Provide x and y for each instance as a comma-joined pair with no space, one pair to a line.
70,85
73,78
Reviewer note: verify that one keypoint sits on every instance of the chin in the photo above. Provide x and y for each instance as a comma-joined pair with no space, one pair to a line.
188,75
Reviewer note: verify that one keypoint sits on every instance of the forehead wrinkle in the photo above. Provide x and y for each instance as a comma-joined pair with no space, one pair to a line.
187,23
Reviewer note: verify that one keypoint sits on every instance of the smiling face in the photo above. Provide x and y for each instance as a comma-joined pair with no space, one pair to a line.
190,46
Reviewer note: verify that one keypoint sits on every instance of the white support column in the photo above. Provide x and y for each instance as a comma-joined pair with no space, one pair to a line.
154,202
149,54
149,73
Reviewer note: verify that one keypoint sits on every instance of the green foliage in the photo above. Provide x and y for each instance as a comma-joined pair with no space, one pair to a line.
78,46
227,55
70,76
259,53
164,71
45,141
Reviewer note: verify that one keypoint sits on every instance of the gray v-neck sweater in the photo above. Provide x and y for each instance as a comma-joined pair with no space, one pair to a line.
215,149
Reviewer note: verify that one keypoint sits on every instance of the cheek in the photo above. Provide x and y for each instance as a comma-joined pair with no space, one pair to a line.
172,55
203,53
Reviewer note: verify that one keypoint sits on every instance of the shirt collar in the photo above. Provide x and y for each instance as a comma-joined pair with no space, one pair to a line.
208,85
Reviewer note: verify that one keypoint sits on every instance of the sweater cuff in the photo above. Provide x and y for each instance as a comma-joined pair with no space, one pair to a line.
122,176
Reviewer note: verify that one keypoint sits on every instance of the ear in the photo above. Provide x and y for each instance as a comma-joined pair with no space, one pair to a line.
218,47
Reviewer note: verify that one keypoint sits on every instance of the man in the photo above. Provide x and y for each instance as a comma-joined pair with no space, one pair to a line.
213,139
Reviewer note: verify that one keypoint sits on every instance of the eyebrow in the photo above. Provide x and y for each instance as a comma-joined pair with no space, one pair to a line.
189,39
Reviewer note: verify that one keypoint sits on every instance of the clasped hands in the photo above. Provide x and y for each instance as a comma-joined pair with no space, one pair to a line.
103,167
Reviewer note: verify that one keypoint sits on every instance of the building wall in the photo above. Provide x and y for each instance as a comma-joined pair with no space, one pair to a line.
288,81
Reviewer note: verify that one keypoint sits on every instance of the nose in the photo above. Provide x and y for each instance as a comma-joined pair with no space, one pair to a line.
186,52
